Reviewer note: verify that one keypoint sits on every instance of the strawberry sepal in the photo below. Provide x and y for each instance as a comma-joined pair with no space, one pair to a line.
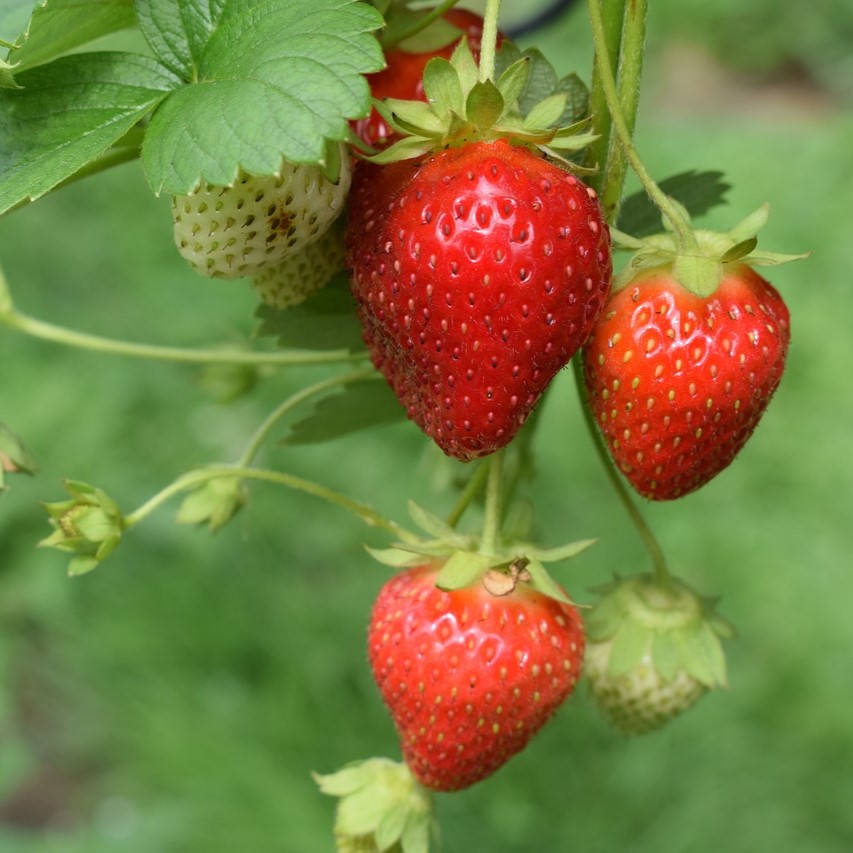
381,807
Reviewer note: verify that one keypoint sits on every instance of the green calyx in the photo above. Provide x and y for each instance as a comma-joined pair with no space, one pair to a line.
461,108
381,807
89,525
679,629
463,561
698,267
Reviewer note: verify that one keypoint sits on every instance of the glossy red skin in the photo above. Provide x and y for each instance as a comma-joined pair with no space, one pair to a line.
469,678
402,78
678,409
478,272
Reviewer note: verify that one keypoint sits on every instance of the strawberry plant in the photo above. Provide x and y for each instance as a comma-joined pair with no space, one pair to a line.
429,214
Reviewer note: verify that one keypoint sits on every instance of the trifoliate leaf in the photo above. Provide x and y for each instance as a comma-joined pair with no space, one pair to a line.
359,405
68,113
697,191
60,26
325,321
271,80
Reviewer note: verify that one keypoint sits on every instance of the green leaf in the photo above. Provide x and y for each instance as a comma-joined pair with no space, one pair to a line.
391,825
697,191
176,30
751,225
739,250
274,80
541,81
698,274
68,113
358,406
59,26
666,655
325,321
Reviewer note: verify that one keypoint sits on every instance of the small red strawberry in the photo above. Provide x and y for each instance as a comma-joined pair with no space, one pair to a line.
402,76
469,676
679,372
478,272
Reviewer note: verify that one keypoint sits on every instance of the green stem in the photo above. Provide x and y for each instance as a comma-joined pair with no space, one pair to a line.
293,402
631,53
613,16
192,479
489,541
421,24
649,540
490,39
471,490
681,227
14,319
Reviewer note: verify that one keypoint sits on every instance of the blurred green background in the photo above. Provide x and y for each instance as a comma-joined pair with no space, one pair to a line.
178,698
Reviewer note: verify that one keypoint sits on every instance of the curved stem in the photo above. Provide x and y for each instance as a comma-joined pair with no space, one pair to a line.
490,39
14,319
293,402
653,547
194,478
494,505
471,490
681,227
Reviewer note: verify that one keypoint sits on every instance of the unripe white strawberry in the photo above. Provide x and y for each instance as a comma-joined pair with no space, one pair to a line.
652,651
256,222
302,273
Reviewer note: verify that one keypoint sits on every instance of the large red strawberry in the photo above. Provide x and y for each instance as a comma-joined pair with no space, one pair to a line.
402,76
478,272
469,676
678,381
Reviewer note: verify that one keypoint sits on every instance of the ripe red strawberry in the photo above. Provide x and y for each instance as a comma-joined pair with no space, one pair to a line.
402,77
469,677
677,382
478,272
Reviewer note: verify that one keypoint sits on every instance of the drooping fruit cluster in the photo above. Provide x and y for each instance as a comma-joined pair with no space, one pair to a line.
653,649
468,676
256,222
685,357
478,272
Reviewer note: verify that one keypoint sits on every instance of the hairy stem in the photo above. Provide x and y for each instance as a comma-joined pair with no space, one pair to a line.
197,477
15,319
494,505
645,532
472,488
490,39
607,83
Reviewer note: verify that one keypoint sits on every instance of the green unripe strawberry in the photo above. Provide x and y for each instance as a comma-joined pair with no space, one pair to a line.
256,222
652,651
302,273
